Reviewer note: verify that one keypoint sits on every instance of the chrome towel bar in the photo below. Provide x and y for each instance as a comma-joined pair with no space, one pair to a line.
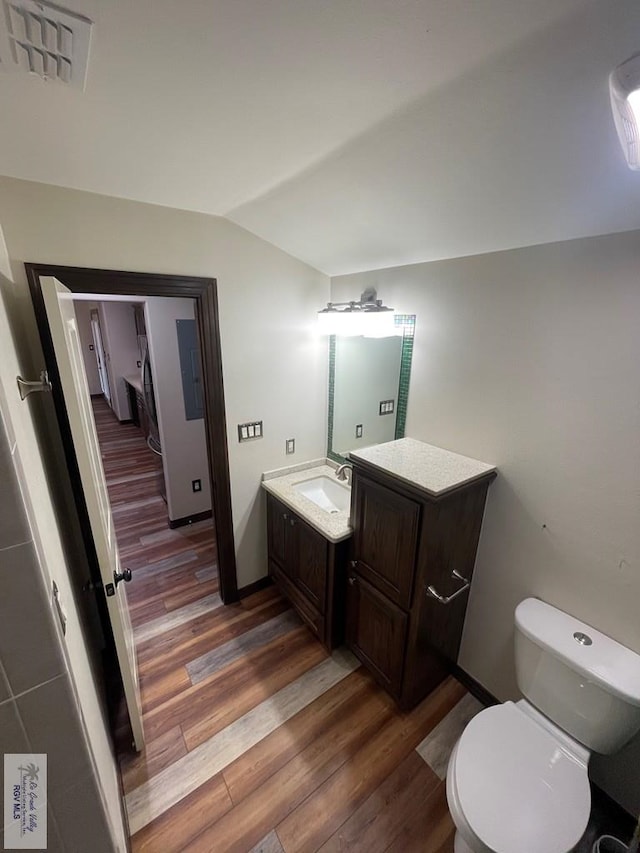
447,599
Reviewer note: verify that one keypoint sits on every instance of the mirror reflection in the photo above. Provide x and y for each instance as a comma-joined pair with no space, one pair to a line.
368,388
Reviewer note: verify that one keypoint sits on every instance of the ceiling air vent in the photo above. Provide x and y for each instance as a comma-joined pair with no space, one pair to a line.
48,41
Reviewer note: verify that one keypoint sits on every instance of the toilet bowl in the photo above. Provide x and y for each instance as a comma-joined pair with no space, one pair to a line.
516,786
517,779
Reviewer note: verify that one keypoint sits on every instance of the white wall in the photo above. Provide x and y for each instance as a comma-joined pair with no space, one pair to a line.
120,343
274,365
530,359
184,443
367,372
83,317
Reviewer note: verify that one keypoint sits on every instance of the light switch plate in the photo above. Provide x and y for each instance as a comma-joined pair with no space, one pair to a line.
386,407
250,431
358,430
291,445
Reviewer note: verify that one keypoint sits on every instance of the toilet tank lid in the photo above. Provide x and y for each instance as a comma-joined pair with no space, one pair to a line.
605,661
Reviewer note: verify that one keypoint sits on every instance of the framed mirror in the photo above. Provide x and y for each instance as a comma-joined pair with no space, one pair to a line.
368,388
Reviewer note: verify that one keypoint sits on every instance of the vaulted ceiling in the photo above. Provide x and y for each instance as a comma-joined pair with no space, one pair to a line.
354,134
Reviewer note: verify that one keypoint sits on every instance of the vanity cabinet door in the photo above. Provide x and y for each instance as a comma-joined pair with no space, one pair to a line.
386,537
309,555
309,571
143,421
277,532
308,613
133,404
376,632
301,552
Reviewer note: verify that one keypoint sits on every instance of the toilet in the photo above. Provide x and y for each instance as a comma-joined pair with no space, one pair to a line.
517,779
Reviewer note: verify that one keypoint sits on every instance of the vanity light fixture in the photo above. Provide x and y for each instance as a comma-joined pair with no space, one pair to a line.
368,317
624,88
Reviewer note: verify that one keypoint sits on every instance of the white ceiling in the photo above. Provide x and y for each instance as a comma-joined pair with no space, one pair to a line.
354,134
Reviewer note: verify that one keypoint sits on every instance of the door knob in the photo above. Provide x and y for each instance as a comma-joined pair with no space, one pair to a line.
124,575
352,580
353,564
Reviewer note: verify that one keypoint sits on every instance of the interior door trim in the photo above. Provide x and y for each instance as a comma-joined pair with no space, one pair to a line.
204,292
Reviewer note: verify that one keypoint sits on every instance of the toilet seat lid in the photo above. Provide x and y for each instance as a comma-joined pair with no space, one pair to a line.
519,788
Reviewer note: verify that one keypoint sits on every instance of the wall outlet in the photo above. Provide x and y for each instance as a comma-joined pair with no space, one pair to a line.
358,430
291,445
196,485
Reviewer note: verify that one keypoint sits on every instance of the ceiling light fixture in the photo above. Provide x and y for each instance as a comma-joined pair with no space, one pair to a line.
624,87
368,317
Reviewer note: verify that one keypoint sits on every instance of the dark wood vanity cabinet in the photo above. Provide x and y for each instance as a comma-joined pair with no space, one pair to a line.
309,570
134,407
143,418
404,542
376,632
386,539
137,407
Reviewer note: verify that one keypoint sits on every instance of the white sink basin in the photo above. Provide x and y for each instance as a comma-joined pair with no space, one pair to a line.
330,495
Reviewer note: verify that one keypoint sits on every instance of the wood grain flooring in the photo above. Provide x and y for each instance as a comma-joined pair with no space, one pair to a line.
438,745
257,739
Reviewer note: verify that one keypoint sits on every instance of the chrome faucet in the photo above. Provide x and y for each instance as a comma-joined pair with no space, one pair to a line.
342,472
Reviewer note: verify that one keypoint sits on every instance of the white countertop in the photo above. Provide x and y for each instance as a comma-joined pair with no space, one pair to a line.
134,380
432,469
333,526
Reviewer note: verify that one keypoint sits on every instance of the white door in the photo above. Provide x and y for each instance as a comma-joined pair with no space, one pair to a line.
99,350
66,342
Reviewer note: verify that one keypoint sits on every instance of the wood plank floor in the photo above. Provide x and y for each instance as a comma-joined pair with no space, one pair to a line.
257,739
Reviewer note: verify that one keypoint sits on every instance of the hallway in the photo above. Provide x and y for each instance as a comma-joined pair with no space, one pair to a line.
172,569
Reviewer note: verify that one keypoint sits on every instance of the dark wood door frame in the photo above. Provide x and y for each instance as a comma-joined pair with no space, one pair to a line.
204,292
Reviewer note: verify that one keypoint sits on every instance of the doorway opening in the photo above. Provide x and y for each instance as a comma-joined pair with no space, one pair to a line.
151,427
135,464
151,437
203,291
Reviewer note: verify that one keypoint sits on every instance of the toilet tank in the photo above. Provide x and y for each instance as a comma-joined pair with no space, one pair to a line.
585,682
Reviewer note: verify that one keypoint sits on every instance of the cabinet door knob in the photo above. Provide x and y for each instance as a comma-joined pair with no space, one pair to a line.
285,516
353,564
292,521
352,580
